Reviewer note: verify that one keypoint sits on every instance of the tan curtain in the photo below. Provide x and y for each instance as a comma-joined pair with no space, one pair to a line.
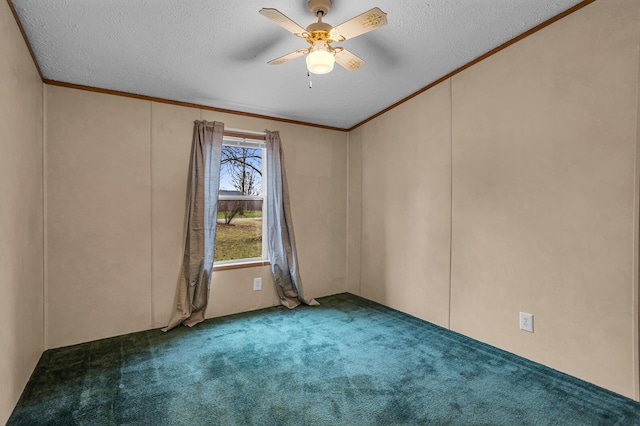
195,277
282,243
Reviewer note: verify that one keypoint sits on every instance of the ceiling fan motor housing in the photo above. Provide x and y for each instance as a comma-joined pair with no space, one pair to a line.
320,6
319,27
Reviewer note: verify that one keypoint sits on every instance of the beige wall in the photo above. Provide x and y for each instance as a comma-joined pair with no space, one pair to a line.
406,193
354,211
543,207
21,253
544,171
98,229
636,247
117,171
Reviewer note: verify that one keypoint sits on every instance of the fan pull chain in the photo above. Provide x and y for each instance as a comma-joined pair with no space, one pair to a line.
310,82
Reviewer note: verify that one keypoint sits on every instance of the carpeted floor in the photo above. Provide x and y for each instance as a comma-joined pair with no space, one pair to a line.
347,362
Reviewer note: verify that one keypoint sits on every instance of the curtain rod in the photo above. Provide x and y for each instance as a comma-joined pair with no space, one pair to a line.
248,134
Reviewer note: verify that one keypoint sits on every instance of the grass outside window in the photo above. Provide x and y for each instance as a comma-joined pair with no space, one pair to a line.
241,239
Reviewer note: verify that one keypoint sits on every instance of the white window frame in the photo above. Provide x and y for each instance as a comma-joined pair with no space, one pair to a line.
254,144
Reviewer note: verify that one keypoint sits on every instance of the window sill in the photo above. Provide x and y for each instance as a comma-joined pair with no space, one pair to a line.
240,265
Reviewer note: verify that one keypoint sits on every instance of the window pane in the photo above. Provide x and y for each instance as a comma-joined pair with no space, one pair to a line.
239,231
241,171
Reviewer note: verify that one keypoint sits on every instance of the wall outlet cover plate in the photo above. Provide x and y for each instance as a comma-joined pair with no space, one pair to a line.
526,322
257,284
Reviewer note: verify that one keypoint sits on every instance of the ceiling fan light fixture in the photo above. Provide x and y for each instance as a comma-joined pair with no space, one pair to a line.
320,60
321,56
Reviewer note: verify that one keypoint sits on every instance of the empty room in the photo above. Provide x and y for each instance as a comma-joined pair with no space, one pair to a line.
320,212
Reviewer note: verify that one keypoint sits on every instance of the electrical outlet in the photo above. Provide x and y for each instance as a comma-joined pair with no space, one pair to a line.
257,284
526,322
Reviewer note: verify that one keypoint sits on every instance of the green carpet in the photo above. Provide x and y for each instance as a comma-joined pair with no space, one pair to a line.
347,362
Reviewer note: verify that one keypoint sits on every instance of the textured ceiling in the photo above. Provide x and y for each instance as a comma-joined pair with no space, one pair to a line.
215,53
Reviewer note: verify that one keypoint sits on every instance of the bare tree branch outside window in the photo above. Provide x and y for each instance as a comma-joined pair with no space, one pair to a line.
244,165
242,168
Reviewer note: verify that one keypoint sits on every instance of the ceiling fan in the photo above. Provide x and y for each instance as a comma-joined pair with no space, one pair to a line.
321,55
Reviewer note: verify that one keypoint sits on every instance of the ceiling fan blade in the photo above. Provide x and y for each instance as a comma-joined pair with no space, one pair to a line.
368,21
348,60
288,57
281,19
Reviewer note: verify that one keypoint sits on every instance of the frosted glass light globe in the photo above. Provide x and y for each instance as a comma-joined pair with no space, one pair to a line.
320,60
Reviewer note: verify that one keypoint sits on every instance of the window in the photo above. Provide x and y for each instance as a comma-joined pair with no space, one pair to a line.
241,221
